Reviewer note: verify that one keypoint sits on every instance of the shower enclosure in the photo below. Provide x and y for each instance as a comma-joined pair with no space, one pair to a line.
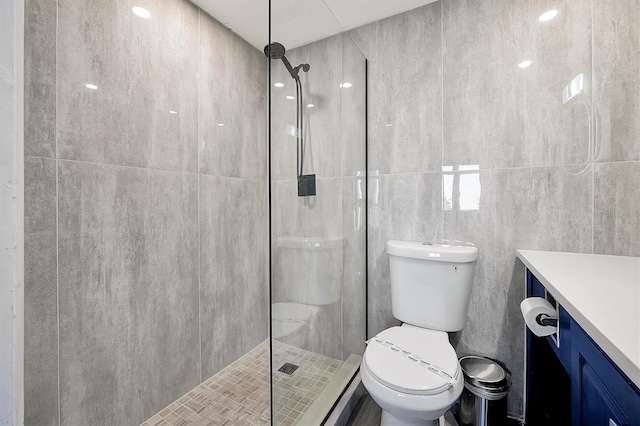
317,93
195,213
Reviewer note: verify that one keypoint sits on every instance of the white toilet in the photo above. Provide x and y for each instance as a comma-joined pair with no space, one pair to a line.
308,273
412,371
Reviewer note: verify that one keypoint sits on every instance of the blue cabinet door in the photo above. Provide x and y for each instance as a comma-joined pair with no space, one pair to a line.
601,395
597,405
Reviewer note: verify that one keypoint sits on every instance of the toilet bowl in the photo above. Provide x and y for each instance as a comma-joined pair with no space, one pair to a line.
413,374
412,371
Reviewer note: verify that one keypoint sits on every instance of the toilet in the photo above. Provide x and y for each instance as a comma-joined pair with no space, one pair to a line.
412,371
308,277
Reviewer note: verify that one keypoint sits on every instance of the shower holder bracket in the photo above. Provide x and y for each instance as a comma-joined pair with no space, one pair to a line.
306,185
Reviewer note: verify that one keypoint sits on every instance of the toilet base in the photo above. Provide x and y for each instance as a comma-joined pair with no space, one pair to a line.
389,419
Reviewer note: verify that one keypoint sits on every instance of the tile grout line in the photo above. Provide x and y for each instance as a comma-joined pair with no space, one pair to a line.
594,134
198,189
147,168
442,115
57,211
543,166
493,169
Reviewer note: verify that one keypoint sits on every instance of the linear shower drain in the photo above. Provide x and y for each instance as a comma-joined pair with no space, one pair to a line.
288,368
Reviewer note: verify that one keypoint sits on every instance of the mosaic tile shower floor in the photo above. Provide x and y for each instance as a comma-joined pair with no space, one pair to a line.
239,394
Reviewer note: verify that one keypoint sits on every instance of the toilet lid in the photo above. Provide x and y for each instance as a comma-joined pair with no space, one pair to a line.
413,360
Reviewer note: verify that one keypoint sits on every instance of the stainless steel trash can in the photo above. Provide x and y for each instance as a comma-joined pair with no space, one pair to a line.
486,384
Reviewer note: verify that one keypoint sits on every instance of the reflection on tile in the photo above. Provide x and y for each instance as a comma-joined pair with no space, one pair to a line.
353,104
143,68
307,216
321,88
497,114
233,104
128,291
40,293
315,218
307,278
538,209
354,297
40,78
234,310
402,207
617,209
616,63
405,96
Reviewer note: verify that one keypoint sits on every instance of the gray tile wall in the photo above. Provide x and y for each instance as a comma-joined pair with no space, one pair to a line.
445,91
145,230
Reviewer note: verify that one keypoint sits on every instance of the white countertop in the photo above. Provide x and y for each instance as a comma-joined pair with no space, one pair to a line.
602,293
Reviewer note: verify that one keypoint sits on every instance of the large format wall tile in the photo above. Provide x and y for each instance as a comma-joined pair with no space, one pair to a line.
401,207
144,68
234,308
128,237
497,114
617,209
233,104
616,63
40,78
405,91
128,287
40,294
405,131
536,208
403,40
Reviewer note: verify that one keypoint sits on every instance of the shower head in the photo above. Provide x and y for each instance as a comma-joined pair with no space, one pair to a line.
274,50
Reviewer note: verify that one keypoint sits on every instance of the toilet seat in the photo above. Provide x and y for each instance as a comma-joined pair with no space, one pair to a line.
413,360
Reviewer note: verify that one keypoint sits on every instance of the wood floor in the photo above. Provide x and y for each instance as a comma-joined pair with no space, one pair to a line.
366,413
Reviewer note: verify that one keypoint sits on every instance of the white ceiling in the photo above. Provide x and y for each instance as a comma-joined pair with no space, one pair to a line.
298,22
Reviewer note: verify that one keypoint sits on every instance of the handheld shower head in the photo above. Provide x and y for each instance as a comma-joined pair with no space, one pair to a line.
274,50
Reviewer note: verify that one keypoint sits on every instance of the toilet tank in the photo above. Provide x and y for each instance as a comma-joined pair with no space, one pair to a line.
431,283
309,269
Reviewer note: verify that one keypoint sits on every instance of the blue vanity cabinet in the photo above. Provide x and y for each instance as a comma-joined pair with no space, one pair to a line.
601,394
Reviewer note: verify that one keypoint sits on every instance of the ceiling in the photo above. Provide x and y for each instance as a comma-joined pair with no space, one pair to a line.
298,22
